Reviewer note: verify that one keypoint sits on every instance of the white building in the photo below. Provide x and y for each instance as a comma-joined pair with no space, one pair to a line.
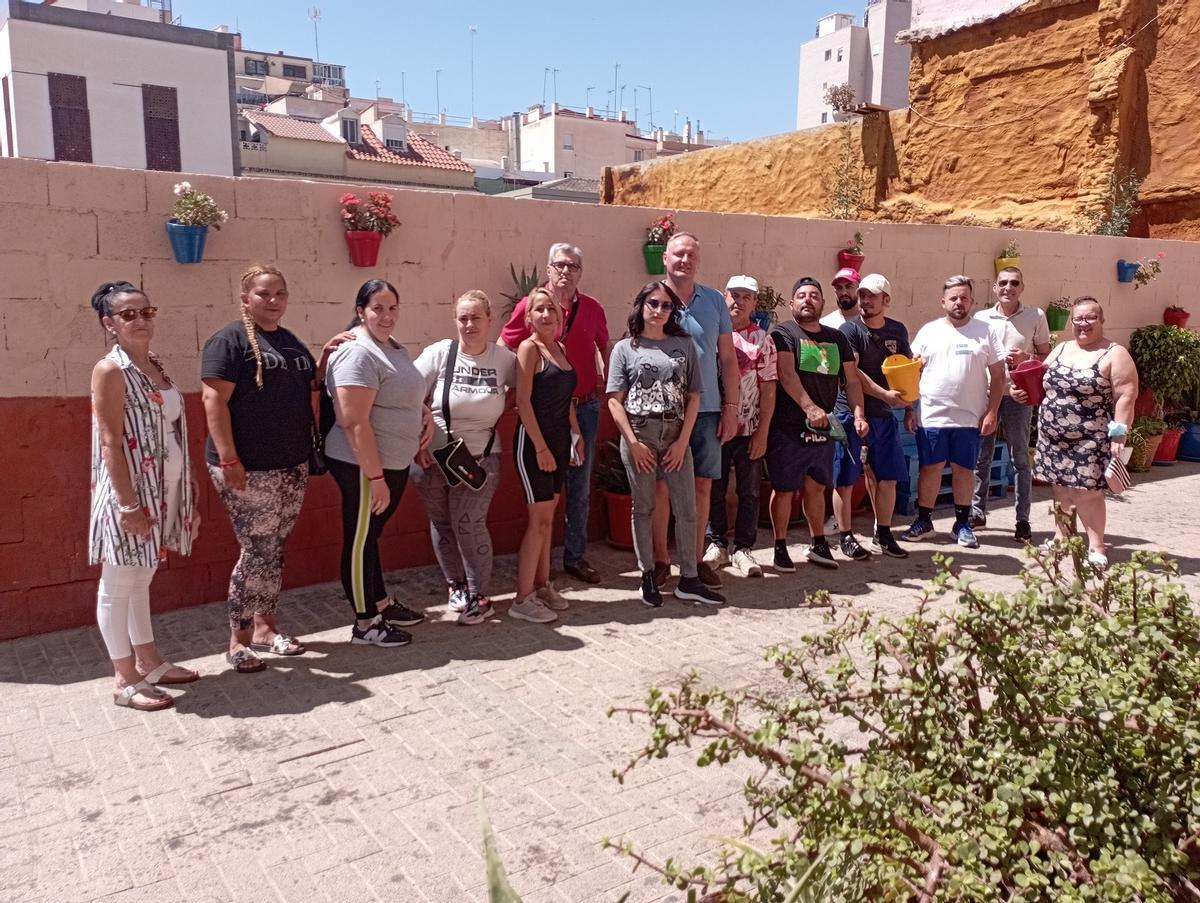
111,83
577,144
866,57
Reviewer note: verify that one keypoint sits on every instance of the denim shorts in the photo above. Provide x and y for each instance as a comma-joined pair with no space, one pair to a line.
706,448
956,444
884,453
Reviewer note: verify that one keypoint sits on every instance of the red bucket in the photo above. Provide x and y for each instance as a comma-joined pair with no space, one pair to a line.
1028,378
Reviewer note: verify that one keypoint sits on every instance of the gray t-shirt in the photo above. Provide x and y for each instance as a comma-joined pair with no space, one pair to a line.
400,394
476,392
657,376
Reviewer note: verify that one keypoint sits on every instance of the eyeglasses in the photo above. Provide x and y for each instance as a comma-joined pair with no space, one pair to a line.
667,306
1004,282
130,314
565,266
1084,321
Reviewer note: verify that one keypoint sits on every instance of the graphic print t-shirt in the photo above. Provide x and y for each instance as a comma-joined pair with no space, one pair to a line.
756,364
477,391
657,376
873,346
819,356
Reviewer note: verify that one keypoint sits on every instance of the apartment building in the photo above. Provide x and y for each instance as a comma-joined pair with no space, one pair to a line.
260,76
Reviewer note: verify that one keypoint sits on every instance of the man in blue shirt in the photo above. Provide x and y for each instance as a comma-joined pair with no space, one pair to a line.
706,318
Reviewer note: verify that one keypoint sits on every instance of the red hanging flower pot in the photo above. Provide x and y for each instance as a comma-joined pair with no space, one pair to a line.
364,247
850,259
1175,316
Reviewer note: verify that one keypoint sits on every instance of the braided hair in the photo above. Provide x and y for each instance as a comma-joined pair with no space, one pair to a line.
248,277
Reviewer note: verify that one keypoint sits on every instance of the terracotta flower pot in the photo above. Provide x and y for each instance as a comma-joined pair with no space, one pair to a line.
1139,461
1175,316
620,520
1169,447
364,247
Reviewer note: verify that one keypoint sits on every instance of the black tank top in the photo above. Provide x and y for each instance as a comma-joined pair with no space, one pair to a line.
551,400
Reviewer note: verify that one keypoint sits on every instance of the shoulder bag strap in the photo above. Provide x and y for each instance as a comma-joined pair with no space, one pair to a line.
447,379
571,317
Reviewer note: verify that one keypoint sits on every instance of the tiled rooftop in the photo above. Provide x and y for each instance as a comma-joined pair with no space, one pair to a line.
288,127
420,153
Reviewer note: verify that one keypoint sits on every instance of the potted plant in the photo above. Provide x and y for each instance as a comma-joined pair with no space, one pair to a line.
618,496
1175,315
1145,436
1168,363
1058,313
366,225
1147,270
657,236
767,303
523,284
191,217
852,255
1010,256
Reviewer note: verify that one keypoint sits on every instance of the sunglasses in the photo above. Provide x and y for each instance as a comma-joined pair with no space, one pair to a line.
668,306
1003,282
130,314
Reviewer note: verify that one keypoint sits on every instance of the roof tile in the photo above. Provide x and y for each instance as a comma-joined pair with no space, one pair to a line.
288,127
420,153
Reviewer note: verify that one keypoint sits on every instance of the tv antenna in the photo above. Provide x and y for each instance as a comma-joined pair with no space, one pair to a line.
314,13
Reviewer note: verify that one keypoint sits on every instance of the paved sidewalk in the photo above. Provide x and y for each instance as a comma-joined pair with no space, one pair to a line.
353,773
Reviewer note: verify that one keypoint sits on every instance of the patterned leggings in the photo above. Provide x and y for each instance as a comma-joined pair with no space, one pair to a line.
262,515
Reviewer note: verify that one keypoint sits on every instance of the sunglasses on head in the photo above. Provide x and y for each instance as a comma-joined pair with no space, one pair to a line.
651,303
131,314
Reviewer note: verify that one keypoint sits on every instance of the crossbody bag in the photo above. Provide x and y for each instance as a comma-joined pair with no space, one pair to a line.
454,459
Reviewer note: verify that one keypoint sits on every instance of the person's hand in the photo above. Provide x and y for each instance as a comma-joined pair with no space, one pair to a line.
862,427
676,452
380,496
758,445
727,428
1020,396
426,429
135,522
234,476
1115,444
643,457
1015,357
577,452
545,460
894,399
910,420
424,459
195,523
339,339
987,425
817,418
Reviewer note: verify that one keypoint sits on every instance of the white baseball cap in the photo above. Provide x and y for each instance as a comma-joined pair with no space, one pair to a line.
747,282
875,284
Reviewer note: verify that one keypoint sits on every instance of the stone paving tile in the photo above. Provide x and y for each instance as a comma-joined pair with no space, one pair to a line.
354,774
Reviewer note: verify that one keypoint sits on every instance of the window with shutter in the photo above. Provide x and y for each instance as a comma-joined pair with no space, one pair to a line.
69,117
160,119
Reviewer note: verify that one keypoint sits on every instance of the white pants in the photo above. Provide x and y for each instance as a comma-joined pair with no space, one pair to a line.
123,608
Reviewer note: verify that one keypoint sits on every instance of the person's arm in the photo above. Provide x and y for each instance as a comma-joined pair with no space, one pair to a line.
731,379
854,395
514,332
789,381
527,364
108,401
677,450
766,411
997,378
353,405
215,396
1122,373
643,456
327,349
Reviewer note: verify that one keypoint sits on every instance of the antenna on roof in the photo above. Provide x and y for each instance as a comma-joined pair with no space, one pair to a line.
314,13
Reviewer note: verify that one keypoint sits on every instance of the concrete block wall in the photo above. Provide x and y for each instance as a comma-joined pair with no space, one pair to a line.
65,228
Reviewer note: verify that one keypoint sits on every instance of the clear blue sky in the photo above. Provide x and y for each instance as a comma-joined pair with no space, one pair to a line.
732,65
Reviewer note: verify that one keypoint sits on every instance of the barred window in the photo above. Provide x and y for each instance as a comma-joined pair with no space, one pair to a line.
160,119
69,117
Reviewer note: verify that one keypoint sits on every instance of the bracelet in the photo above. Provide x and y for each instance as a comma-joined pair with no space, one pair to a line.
229,463
1116,430
373,479
129,509
729,404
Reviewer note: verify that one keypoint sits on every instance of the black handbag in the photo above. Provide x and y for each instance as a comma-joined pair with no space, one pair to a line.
454,459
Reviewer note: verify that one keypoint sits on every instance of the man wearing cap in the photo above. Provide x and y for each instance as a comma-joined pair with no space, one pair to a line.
873,338
814,360
962,382
1024,334
743,452
845,286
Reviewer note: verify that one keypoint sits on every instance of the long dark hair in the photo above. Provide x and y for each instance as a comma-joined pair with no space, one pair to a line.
366,292
637,321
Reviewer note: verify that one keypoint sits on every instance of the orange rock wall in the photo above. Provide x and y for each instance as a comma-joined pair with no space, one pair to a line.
1018,122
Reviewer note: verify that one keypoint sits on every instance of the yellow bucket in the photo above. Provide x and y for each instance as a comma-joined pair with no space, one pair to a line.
903,374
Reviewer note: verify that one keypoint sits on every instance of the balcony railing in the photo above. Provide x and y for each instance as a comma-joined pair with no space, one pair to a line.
254,146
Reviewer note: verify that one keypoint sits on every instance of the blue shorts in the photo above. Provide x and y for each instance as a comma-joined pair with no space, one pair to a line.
956,444
884,453
790,460
706,448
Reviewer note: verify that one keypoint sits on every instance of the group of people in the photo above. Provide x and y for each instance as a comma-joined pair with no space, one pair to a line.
697,389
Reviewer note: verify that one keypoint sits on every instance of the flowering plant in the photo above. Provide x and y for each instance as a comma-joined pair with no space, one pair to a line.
373,216
195,208
1063,303
660,233
1148,270
1010,250
854,246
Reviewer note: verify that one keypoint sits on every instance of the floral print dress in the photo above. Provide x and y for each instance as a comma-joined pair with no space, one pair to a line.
1072,441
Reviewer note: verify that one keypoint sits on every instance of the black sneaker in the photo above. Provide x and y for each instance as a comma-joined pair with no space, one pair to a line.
1023,533
852,550
978,519
693,588
401,615
783,561
379,633
821,555
885,544
650,594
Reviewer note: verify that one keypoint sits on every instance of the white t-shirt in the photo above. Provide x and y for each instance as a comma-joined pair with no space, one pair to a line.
1024,330
954,378
476,393
835,318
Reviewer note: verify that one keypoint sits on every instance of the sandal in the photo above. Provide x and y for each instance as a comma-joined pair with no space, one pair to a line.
158,699
281,645
245,662
159,675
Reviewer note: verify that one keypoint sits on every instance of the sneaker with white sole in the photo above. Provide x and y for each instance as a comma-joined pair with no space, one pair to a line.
551,598
693,589
821,555
531,609
401,615
716,555
744,563
921,528
650,594
479,609
1097,561
965,536
458,597
379,633
783,560
852,549
885,544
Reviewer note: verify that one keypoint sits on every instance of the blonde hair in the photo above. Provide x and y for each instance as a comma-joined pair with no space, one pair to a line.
529,303
475,295
247,280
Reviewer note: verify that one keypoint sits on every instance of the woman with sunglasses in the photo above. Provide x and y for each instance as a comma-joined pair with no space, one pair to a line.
143,493
654,396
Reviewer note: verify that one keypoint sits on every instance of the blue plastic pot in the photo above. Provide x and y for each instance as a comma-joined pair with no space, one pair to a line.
187,241
1126,270
1189,442
761,317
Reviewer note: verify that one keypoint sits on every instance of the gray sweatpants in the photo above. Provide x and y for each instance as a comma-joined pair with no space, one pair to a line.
681,486
458,523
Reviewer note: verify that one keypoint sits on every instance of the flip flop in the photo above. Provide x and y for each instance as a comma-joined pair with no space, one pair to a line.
125,698
159,675
245,662
281,645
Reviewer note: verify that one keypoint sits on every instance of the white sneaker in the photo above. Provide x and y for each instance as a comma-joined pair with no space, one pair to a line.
831,527
531,608
1097,561
715,556
744,564
551,598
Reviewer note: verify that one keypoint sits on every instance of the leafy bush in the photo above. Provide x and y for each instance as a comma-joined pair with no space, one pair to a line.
1168,362
840,97
1116,208
1039,745
845,185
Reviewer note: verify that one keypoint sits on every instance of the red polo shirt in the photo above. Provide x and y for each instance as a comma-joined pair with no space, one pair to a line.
589,334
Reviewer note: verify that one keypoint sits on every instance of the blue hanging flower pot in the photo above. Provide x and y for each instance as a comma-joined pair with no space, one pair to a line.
1126,270
187,241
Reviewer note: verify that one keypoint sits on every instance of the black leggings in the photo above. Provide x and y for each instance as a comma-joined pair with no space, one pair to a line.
362,574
